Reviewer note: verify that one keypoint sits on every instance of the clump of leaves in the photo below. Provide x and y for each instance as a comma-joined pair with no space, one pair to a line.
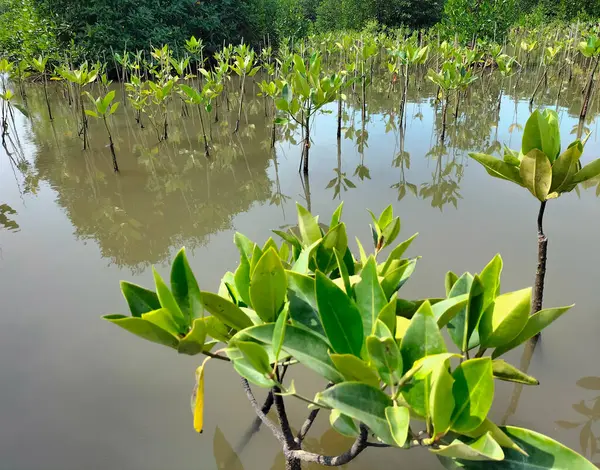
309,302
540,166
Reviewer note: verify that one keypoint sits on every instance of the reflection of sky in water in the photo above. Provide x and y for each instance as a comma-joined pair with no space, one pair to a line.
81,393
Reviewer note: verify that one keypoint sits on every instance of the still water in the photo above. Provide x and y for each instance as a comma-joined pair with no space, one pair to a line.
76,392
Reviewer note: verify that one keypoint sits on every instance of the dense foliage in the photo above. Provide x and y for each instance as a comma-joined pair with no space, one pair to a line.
31,27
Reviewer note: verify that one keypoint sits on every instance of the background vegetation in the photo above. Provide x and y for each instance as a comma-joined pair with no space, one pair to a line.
51,27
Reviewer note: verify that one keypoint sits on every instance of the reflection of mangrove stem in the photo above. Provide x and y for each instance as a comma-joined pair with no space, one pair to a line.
543,79
588,90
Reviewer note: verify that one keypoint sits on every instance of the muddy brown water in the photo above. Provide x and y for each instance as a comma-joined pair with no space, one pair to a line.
76,392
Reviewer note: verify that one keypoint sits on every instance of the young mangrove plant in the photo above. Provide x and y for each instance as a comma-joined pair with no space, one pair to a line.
393,381
546,172
39,65
304,93
589,49
243,66
104,107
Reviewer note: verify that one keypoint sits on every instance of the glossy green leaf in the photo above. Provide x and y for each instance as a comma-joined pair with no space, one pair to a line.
536,323
509,373
140,300
483,449
256,356
268,286
390,233
498,434
343,424
542,133
387,316
354,369
334,239
498,168
343,269
167,300
463,327
340,317
245,369
336,218
385,355
361,402
490,279
308,226
423,337
450,280
144,329
441,401
396,254
398,418
543,454
505,318
242,280
217,330
244,244
226,311
307,347
303,302
386,217
473,393
279,332
185,287
303,262
566,166
536,173
193,342
591,170
394,280
446,310
370,297
163,318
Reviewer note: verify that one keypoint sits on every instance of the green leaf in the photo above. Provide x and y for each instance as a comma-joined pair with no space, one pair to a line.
483,449
499,436
340,317
163,319
354,369
337,216
256,355
303,262
303,302
144,329
450,280
216,329
242,280
509,373
441,401
591,170
505,318
361,402
542,133
279,333
543,454
245,369
423,337
140,300
398,418
193,342
396,254
245,245
388,316
308,226
370,297
268,286
167,300
536,323
343,424
91,113
463,327
226,311
394,280
536,173
386,217
343,269
385,356
334,239
498,168
490,278
390,233
185,287
446,310
307,347
566,166
473,393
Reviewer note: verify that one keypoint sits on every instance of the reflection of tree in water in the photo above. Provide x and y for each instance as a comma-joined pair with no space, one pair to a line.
5,221
167,195
589,433
447,176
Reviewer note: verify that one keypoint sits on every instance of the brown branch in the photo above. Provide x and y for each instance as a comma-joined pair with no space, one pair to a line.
309,421
359,445
259,412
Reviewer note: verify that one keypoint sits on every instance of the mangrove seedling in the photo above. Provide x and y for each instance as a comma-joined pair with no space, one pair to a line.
39,65
393,379
590,49
546,172
104,107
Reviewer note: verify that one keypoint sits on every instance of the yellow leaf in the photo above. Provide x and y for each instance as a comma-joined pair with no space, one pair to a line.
198,396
